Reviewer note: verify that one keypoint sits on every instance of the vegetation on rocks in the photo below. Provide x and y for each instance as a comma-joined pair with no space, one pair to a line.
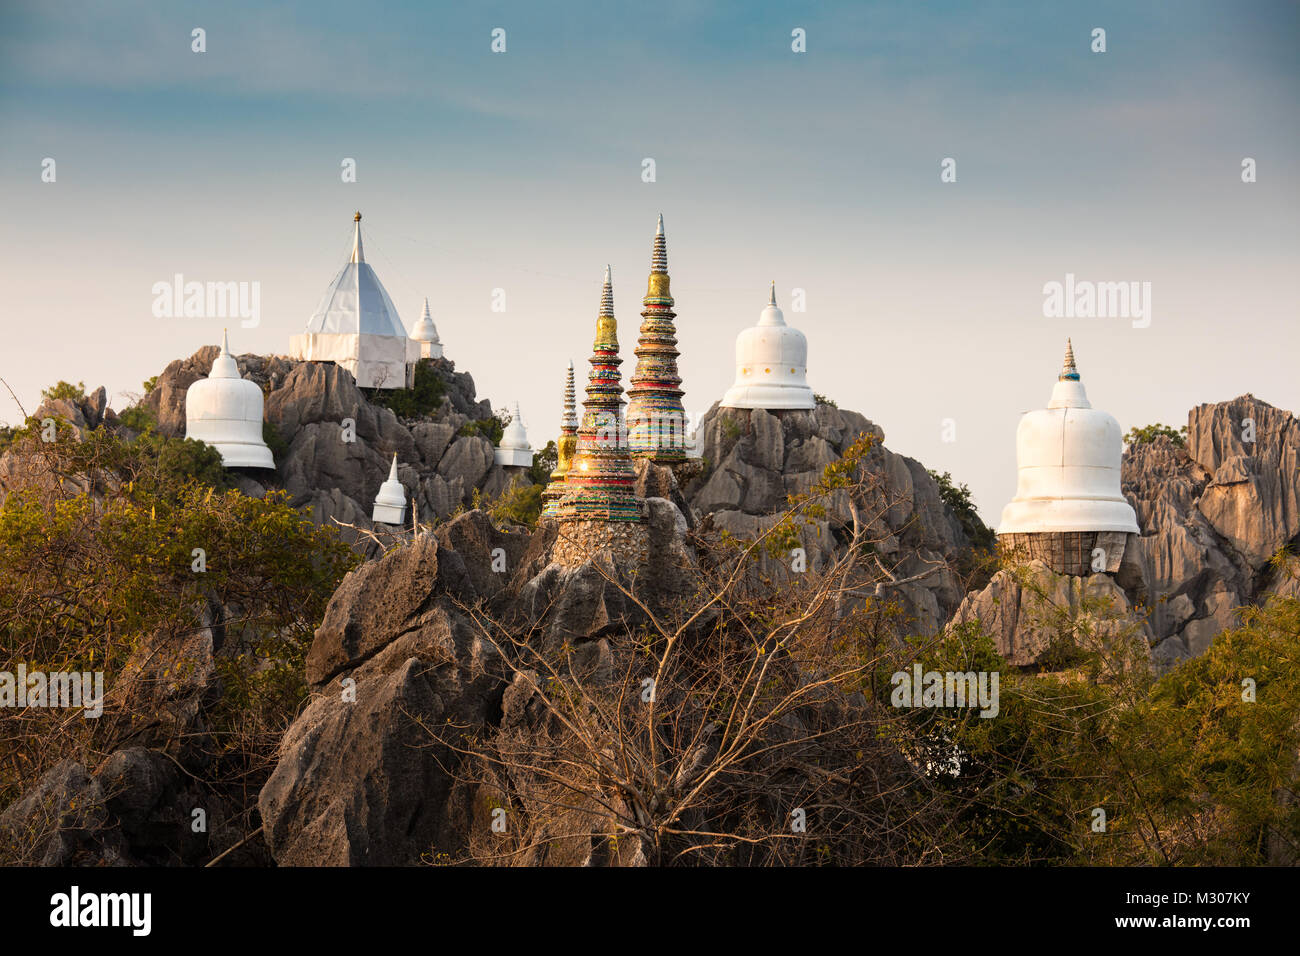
422,399
115,542
1149,433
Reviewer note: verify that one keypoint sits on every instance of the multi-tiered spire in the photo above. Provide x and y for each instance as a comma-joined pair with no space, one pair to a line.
564,449
1069,371
656,421
600,478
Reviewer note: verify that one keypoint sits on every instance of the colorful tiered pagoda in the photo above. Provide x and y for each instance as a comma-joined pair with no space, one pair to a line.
564,450
600,479
656,421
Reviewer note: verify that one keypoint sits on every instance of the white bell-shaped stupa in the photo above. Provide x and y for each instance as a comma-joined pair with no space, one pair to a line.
514,450
356,326
390,503
424,337
771,365
224,410
1068,456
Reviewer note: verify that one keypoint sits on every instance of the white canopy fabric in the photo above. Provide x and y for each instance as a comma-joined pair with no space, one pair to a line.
357,326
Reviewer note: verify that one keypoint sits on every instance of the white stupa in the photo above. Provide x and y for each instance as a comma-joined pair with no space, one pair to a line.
224,410
390,503
424,342
356,325
514,450
1068,456
771,365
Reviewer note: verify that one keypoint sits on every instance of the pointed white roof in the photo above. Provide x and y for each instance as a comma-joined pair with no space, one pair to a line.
515,435
425,330
356,302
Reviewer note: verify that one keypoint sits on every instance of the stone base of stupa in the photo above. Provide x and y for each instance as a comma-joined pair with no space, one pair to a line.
1067,552
578,541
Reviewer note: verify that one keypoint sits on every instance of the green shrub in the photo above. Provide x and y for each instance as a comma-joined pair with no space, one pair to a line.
76,393
422,399
138,419
271,435
544,462
520,504
1149,433
957,497
490,428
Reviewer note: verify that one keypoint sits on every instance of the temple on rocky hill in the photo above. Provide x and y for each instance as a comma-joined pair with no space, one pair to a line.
1068,510
600,508
771,365
514,451
225,411
357,326
390,503
656,421
565,448
424,338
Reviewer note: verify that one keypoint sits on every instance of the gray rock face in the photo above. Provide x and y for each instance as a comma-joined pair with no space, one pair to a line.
337,473
1212,515
166,688
377,603
576,604
134,811
491,558
1026,613
757,459
411,663
468,459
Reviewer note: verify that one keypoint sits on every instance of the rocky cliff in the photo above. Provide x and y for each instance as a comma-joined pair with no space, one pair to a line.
754,460
1213,515
334,468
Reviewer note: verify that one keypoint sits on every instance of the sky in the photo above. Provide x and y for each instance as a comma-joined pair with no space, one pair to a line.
523,171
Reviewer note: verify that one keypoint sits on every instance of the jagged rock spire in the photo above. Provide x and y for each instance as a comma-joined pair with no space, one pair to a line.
598,486
1069,371
656,420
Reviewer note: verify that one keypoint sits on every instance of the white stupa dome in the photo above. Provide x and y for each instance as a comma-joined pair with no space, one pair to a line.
771,365
356,326
390,503
514,450
424,336
224,410
1068,456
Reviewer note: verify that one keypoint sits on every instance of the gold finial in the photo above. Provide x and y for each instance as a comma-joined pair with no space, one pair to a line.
357,217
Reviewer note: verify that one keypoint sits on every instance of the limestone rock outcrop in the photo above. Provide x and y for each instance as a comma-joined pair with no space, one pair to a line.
755,459
392,660
1213,514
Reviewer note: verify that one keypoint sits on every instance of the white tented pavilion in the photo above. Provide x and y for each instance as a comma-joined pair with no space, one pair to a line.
356,326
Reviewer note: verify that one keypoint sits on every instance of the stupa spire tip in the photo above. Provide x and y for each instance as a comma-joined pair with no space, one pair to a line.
1069,371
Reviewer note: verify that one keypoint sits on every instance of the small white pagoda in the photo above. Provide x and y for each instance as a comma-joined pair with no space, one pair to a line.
424,338
357,326
390,503
1068,500
771,365
514,450
224,410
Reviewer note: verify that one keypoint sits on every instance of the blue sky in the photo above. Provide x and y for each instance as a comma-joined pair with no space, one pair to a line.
820,170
